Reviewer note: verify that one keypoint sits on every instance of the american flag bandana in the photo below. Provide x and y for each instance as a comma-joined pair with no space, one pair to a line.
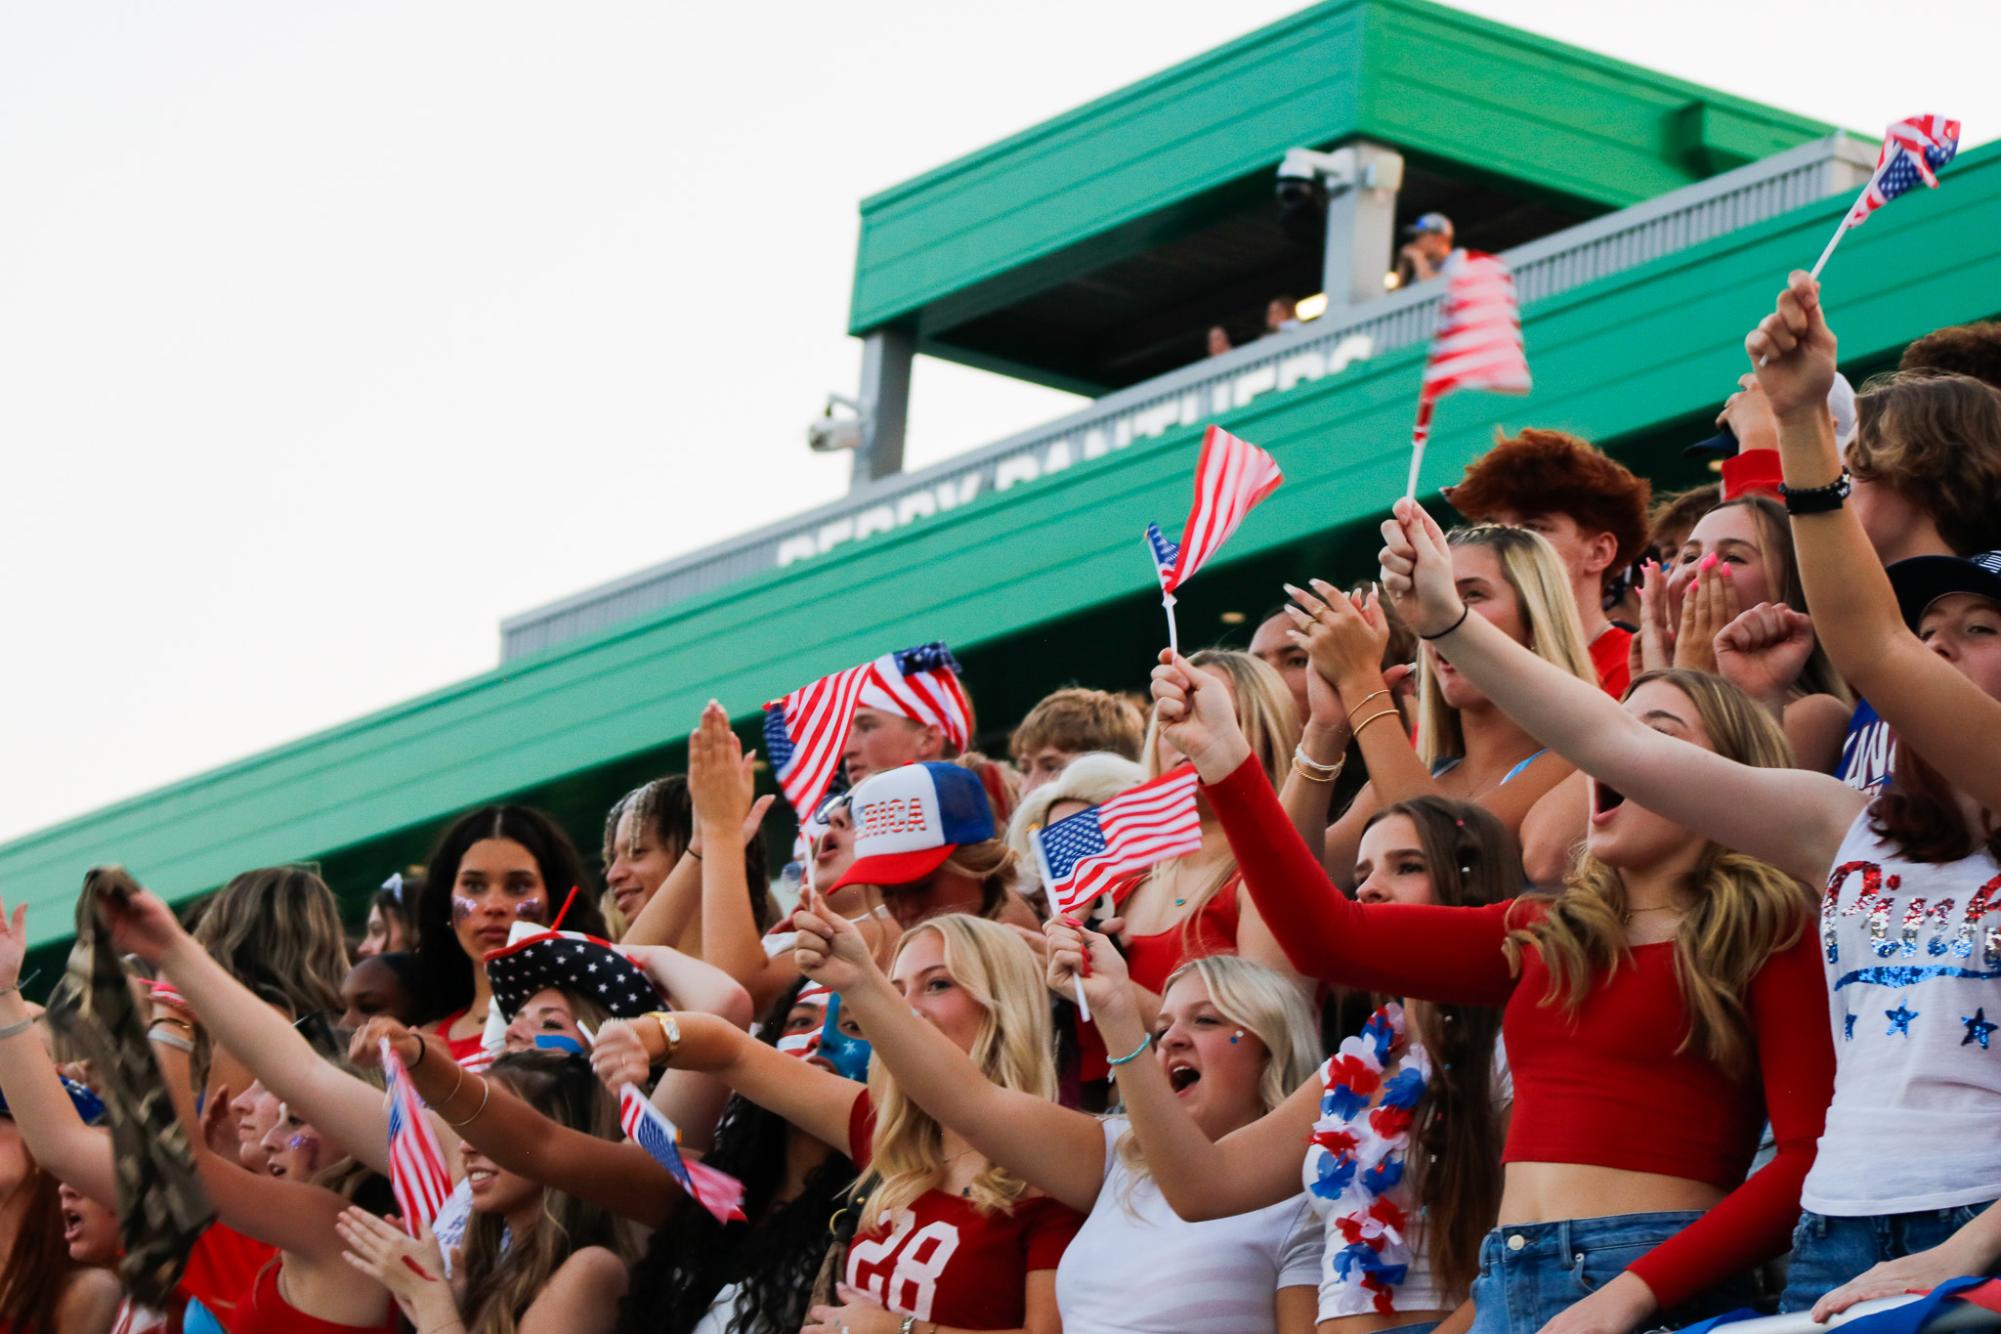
417,1172
1101,849
718,1192
805,732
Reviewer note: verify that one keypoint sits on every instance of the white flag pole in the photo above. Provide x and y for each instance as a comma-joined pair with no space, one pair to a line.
1173,634
1835,239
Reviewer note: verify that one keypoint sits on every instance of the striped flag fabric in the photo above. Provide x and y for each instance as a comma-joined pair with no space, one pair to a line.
805,731
1231,477
1096,851
417,1173
648,1127
1478,344
1914,149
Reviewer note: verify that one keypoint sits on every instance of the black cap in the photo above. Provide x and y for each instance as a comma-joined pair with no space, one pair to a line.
1722,445
1923,580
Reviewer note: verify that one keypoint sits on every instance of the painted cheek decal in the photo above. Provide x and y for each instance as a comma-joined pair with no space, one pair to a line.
531,909
462,908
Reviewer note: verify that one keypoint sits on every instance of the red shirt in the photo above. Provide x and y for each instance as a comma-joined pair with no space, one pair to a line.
469,1051
264,1310
1606,1086
1609,657
221,1268
1151,960
943,1260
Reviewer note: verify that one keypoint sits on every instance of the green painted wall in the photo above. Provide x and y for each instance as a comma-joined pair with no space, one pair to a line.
1476,97
1039,583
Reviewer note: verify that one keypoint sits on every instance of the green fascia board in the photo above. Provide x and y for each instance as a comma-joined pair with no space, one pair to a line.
1615,359
1449,87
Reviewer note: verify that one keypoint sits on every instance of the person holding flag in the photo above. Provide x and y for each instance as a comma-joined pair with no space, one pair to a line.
945,1238
1231,1038
1189,906
1397,1137
531,1255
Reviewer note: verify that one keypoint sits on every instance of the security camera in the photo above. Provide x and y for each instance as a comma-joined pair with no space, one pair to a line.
830,434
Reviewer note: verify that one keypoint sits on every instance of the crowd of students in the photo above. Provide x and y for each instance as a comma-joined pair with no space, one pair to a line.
1593,929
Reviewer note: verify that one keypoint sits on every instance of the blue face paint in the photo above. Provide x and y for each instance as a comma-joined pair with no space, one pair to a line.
848,1055
558,1042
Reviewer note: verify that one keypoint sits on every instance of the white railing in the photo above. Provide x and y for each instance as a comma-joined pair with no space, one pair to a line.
1210,388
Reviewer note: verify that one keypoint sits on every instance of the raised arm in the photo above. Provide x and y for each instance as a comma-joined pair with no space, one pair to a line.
1444,954
348,1111
1058,1151
56,1136
1934,708
812,1099
1725,801
691,1101
615,1175
721,785
1200,1178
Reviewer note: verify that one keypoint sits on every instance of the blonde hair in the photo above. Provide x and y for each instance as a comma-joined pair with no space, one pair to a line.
1744,912
1261,1001
1531,567
277,930
1012,1048
1270,722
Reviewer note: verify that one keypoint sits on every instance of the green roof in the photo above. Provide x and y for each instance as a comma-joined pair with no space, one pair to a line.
1036,585
1461,94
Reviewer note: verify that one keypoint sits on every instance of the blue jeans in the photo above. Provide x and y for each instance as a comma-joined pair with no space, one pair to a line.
1530,1273
1827,1252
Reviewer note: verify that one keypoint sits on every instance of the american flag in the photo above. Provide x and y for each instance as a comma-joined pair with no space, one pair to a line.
1913,150
1479,340
417,1173
1231,477
1092,852
718,1192
805,731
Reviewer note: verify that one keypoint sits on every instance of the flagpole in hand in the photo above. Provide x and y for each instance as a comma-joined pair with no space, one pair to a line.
1478,343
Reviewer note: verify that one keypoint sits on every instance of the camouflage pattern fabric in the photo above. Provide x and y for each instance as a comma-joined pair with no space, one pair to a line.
162,1209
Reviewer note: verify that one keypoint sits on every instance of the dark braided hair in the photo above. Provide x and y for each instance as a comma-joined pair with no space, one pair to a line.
775,1256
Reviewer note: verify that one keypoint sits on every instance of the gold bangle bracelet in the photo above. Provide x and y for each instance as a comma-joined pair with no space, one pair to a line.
485,1092
1386,713
1312,777
1363,702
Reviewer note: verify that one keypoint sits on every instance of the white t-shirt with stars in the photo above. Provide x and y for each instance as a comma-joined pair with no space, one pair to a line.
1913,956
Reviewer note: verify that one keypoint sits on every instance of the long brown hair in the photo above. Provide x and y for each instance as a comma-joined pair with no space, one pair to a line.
278,930
1918,815
1744,911
37,1272
504,1275
1455,1133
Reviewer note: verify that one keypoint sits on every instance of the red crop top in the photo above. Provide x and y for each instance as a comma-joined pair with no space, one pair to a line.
1151,960
1605,1087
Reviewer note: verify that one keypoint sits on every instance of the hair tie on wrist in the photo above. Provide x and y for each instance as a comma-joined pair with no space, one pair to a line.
1465,610
1132,1055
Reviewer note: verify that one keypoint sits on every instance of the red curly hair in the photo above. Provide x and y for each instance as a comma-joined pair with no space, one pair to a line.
1554,472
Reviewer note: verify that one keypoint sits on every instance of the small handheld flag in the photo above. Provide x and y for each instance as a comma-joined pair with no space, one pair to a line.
1231,477
417,1174
1914,149
1478,344
1097,851
718,1192
805,731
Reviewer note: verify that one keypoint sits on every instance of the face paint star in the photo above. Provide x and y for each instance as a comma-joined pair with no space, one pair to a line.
1978,1029
1900,1019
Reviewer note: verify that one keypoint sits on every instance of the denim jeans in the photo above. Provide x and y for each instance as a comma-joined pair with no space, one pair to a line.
1530,1273
1827,1252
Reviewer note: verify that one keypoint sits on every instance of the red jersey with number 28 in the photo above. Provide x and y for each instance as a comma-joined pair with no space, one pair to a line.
943,1260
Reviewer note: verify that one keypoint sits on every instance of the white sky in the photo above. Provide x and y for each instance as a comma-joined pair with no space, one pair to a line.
331,334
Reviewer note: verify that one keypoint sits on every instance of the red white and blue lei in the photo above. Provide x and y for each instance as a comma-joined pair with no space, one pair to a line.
1356,1163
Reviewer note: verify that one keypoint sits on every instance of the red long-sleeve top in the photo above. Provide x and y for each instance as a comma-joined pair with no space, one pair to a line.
1607,1085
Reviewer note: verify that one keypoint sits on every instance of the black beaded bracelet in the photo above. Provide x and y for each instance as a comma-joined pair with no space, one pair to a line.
1817,499
1464,611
